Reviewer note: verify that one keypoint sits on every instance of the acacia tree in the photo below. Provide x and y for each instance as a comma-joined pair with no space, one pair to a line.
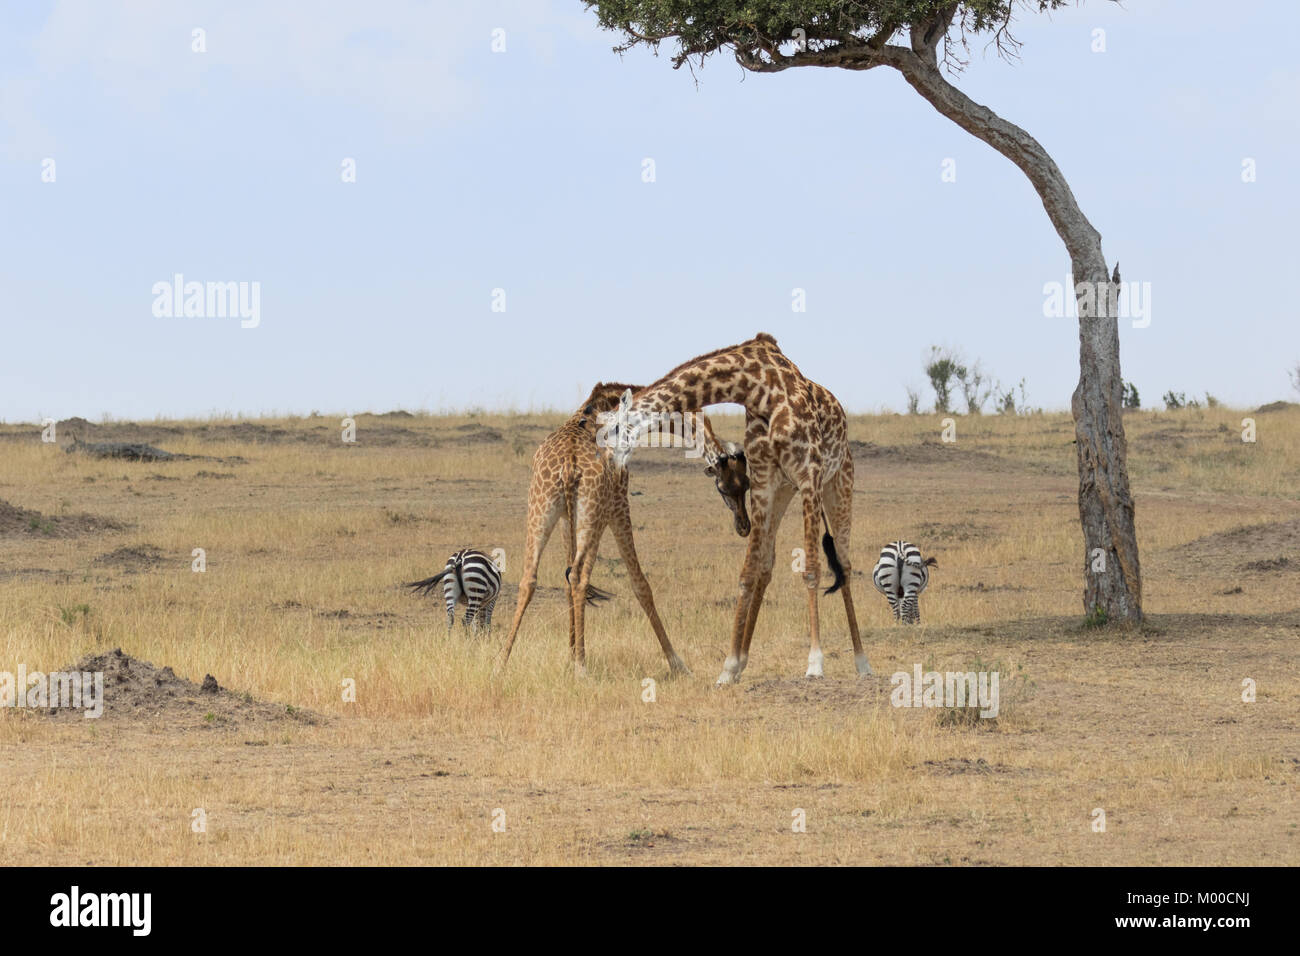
921,39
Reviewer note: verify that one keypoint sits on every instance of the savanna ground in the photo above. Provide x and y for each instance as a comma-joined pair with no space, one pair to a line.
307,538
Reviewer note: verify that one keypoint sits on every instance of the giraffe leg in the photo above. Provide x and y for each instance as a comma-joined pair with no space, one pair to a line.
539,532
621,527
766,561
763,520
839,512
812,521
586,545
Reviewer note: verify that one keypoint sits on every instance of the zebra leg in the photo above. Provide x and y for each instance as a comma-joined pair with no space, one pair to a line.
485,613
450,593
910,613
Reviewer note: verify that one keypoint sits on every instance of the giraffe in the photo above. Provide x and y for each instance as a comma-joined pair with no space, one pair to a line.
573,478
796,440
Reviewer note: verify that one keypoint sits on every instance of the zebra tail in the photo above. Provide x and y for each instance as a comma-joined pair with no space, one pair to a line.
931,562
594,594
428,584
833,559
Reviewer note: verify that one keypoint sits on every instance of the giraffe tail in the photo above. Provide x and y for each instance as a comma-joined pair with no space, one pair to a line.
832,558
428,584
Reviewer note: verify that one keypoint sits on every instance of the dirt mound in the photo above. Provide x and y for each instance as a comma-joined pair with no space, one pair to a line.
15,521
1253,548
1271,564
135,690
472,434
128,451
1275,407
75,424
947,532
132,559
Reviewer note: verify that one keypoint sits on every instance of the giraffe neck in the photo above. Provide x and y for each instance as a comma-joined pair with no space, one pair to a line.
713,448
729,377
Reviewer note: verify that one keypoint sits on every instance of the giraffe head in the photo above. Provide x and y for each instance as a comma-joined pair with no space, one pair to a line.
731,477
605,397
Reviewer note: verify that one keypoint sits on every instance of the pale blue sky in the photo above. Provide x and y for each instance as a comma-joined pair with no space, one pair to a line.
522,170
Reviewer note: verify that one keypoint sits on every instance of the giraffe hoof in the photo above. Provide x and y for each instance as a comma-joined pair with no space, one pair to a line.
814,665
724,679
864,669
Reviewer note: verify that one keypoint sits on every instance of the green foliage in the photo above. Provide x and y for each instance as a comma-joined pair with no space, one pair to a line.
941,369
1097,617
69,615
1176,400
975,387
1131,399
700,28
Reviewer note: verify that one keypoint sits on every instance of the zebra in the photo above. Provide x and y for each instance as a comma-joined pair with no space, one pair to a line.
901,575
471,578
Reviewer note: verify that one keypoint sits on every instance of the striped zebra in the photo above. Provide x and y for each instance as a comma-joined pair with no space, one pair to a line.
470,578
901,575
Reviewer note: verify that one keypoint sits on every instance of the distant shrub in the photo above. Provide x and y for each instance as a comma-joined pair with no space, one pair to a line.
913,401
1175,400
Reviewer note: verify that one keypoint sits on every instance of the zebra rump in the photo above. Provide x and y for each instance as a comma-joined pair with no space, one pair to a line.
470,577
901,575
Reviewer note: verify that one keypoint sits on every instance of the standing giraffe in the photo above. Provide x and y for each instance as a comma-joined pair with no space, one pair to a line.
796,439
573,478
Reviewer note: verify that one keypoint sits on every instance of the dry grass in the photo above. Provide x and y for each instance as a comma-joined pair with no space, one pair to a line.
306,539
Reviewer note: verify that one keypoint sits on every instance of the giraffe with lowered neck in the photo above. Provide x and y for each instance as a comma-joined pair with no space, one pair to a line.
796,440
573,478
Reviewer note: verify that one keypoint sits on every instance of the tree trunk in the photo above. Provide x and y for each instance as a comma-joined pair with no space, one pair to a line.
1113,581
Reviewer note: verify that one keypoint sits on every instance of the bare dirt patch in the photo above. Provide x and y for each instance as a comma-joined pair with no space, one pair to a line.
938,453
15,520
132,558
1274,546
956,765
136,690
869,690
